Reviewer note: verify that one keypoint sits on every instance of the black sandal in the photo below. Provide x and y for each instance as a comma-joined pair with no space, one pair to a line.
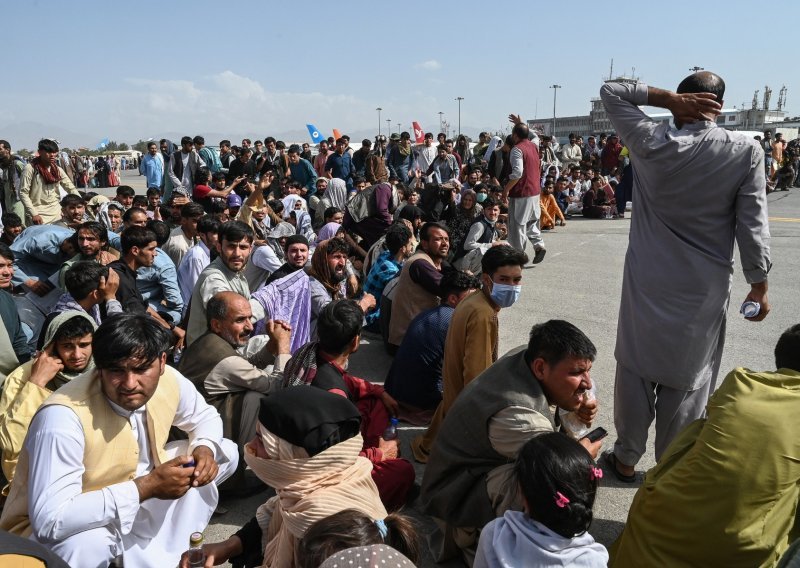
611,461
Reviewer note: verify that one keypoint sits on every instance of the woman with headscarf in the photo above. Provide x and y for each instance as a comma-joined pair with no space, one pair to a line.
301,221
462,149
277,237
307,448
64,352
466,213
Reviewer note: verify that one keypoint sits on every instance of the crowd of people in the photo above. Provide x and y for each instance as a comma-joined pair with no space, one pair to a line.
156,349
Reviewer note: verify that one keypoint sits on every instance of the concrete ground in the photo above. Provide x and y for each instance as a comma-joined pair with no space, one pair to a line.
580,281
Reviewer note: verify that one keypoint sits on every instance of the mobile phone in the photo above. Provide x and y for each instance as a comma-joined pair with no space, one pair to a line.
597,434
189,464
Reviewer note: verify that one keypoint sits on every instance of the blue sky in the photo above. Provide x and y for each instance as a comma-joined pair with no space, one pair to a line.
259,68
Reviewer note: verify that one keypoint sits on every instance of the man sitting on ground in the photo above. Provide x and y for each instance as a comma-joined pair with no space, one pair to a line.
138,250
96,478
225,273
482,236
415,378
418,287
182,238
399,246
65,351
296,254
322,364
73,211
328,278
91,240
158,283
231,382
469,479
473,336
740,462
199,256
88,285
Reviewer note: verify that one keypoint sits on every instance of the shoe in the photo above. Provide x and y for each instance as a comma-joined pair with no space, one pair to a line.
611,463
539,256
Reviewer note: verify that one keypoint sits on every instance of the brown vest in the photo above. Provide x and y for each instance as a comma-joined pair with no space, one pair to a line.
454,484
110,453
410,299
530,184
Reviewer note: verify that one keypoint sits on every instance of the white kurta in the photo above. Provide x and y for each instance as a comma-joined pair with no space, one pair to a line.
91,529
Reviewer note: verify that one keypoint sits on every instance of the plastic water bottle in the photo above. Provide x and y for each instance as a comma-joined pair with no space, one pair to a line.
570,421
196,555
750,309
391,431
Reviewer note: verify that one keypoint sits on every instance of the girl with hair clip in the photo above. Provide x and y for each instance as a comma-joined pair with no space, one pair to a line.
558,480
352,528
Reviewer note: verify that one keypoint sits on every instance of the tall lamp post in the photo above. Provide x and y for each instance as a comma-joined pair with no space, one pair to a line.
459,99
389,125
555,91
379,109
398,128
441,121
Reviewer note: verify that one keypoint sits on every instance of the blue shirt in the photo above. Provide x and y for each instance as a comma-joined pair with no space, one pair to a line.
160,282
384,269
415,377
152,167
37,252
342,167
304,173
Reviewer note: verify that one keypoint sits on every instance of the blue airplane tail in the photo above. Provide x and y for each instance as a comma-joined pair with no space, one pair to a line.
316,137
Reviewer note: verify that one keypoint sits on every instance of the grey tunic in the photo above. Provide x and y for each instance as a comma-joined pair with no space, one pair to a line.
696,189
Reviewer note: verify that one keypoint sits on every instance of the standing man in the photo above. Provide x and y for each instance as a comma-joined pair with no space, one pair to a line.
521,193
303,172
426,155
152,166
679,268
226,156
206,154
11,168
40,183
321,158
183,166
340,164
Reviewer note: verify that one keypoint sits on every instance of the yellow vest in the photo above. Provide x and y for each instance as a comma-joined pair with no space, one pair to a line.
110,453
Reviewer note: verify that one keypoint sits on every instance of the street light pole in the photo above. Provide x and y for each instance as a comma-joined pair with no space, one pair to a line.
389,125
555,91
379,109
441,122
459,99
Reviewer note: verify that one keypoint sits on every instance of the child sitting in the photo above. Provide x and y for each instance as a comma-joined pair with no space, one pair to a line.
558,480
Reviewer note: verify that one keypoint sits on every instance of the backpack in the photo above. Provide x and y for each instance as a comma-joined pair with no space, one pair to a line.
363,205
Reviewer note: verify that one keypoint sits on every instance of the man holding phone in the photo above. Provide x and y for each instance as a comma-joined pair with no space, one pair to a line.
469,480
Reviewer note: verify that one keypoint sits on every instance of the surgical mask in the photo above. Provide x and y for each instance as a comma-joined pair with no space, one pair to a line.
481,197
504,295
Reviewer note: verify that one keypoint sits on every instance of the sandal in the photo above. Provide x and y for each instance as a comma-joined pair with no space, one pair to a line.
611,461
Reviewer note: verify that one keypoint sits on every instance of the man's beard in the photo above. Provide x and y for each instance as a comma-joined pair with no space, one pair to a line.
5,161
338,277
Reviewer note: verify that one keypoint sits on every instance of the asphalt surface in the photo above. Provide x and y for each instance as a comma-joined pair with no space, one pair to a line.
580,281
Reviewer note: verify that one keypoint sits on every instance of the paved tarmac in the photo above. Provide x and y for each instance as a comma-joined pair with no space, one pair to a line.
580,281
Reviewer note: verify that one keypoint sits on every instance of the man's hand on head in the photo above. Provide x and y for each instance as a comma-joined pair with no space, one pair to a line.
688,108
46,366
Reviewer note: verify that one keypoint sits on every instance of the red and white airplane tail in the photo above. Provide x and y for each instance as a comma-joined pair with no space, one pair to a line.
419,134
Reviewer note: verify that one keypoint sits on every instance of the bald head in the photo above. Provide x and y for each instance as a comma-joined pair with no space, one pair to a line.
703,82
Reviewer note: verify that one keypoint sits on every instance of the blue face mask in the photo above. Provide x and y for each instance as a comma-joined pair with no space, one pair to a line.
504,295
481,197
